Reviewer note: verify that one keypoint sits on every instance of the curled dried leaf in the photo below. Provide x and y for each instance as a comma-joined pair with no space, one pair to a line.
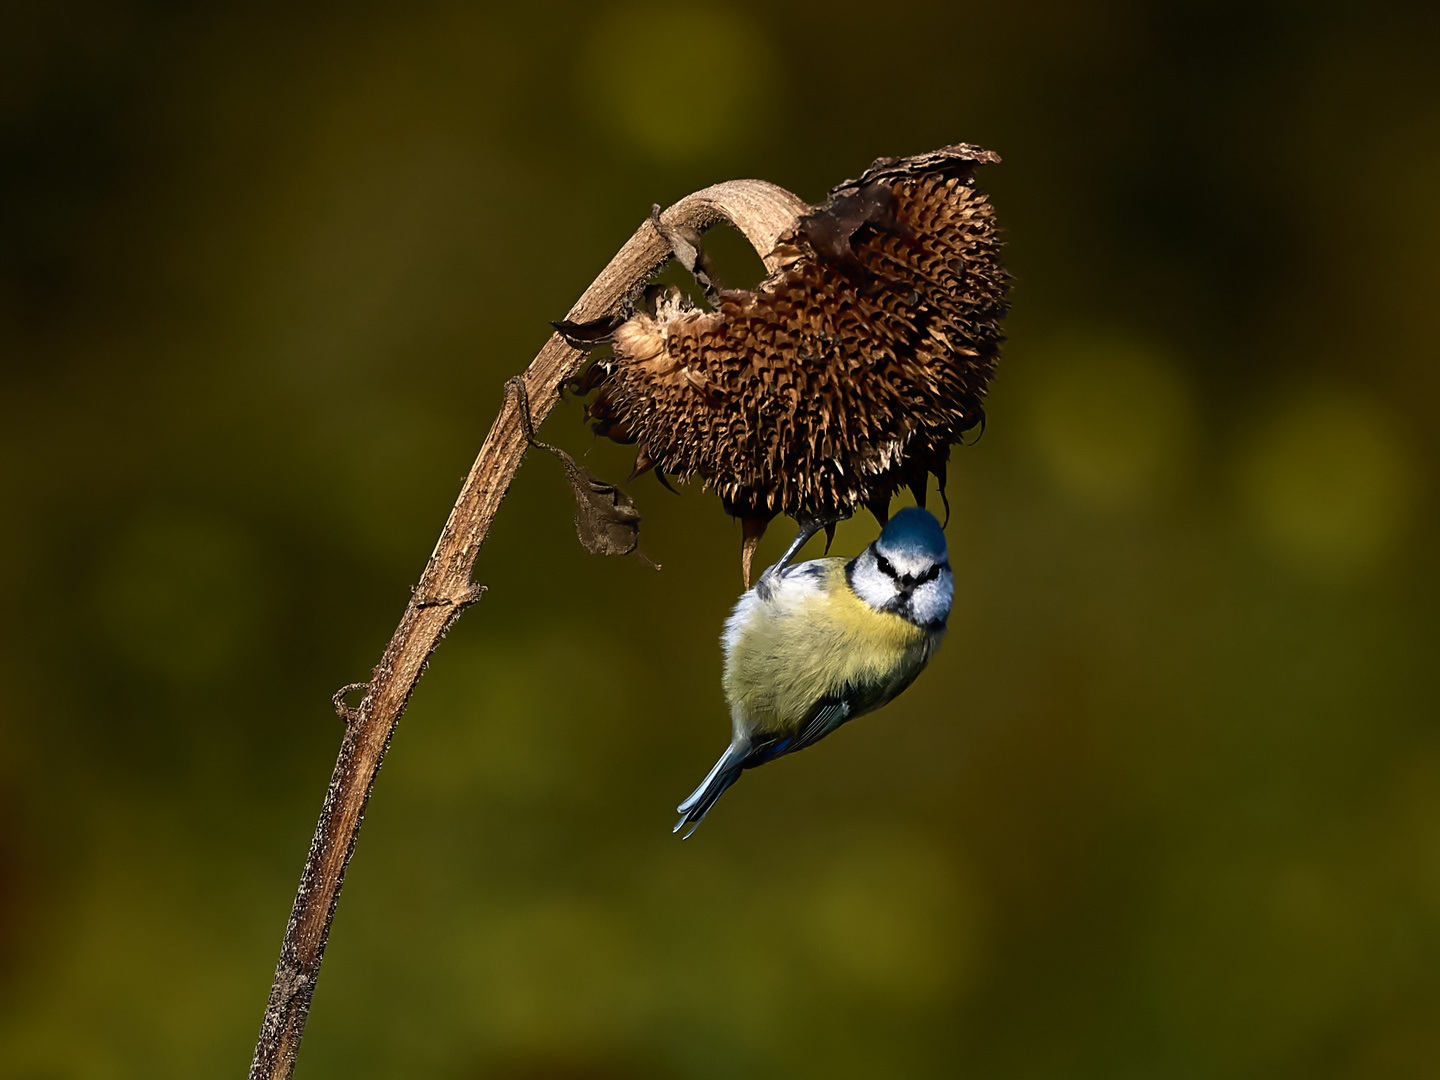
606,520
588,334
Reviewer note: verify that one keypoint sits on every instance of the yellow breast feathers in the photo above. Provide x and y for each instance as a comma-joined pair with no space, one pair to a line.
812,637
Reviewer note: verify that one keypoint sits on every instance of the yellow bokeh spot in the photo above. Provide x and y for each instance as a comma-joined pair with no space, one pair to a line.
1328,482
1112,418
676,83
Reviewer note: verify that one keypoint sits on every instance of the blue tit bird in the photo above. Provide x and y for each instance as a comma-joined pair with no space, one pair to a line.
819,643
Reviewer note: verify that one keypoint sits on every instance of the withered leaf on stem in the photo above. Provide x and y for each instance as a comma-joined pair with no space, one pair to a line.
606,520
585,335
688,250
829,229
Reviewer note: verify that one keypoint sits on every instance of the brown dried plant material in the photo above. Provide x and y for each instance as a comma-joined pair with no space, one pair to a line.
760,210
606,520
849,372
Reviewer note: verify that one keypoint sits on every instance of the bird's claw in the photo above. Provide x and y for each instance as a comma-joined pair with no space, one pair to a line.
809,526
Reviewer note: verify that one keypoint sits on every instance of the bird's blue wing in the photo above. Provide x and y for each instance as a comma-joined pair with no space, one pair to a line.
826,715
831,711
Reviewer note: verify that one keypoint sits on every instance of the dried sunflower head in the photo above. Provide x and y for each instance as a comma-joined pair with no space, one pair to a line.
848,372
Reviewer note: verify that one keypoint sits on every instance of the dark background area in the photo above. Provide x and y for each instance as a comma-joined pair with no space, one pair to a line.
1167,803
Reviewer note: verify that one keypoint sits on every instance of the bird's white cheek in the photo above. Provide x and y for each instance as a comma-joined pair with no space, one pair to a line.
872,586
931,602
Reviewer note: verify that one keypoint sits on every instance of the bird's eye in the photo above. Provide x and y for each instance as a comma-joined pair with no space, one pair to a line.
932,573
884,565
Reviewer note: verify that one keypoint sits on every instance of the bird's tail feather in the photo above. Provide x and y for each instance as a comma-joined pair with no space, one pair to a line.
726,771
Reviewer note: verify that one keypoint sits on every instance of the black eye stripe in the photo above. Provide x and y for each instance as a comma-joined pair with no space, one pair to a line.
887,568
932,573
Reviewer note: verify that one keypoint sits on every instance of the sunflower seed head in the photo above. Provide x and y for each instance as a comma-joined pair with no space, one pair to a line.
845,375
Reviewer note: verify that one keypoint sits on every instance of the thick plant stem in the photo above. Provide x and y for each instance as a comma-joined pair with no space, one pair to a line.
763,212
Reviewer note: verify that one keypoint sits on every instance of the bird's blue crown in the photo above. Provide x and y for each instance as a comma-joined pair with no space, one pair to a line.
914,531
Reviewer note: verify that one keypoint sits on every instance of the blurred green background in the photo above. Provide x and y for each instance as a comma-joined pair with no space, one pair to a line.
1166,804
